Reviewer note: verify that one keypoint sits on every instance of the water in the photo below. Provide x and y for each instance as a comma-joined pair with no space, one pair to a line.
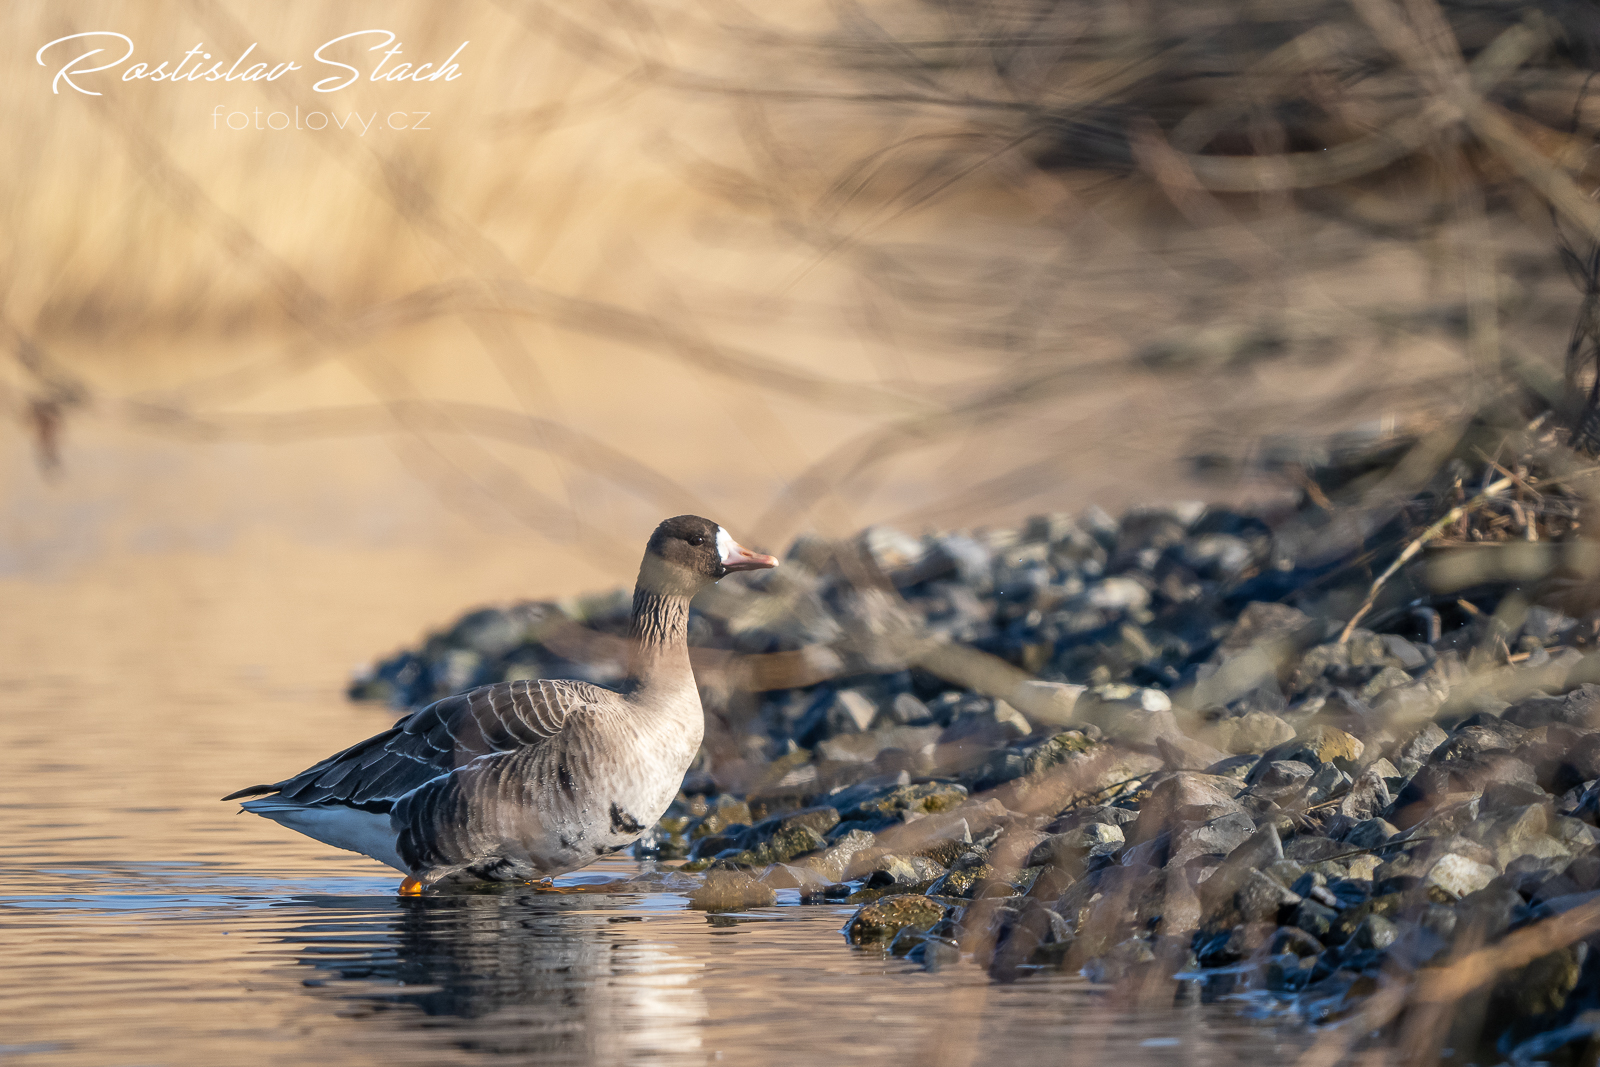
144,922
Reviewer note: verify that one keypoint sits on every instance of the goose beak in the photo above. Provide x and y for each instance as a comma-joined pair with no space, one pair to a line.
735,557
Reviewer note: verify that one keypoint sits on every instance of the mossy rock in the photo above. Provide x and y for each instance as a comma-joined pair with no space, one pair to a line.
1054,751
882,919
867,896
926,798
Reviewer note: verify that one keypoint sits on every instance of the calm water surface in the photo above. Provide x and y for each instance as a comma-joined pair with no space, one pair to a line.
143,922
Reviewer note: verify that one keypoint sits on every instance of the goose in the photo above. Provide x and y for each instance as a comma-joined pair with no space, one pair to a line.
524,780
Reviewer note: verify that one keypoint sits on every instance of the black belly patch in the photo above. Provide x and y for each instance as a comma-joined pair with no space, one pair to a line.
623,823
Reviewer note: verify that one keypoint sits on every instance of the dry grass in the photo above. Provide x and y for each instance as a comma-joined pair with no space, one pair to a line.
989,227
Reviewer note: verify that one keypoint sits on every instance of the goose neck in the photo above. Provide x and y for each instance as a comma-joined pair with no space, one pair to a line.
659,632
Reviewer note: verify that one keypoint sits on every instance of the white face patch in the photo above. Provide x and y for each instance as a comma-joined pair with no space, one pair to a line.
725,546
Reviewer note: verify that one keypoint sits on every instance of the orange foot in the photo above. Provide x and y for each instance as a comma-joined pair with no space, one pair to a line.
411,887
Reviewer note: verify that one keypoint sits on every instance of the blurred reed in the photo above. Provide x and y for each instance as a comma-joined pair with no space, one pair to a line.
1019,228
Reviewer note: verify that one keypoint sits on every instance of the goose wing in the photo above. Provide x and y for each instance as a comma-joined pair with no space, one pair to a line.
446,734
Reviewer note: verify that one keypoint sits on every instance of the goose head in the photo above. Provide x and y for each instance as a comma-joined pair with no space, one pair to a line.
688,553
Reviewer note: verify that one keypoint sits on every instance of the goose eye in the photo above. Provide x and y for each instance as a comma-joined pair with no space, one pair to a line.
697,540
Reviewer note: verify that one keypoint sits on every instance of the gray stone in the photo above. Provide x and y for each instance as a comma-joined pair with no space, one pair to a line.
1279,777
1183,753
1581,708
1047,703
1137,726
1370,834
1420,745
1375,932
1263,899
1407,703
1106,706
1254,732
1237,767
1320,744
1118,594
1074,845
834,863
1315,919
1384,680
1455,876
1218,837
1265,623
1407,654
906,710
1185,797
847,711
1369,795
1327,781
731,890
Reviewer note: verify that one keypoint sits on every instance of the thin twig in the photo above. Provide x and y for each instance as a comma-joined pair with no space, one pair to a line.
1414,547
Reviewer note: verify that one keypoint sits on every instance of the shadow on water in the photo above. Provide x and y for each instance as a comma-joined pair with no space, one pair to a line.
566,978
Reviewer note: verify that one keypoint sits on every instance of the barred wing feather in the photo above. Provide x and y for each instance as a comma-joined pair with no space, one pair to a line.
446,734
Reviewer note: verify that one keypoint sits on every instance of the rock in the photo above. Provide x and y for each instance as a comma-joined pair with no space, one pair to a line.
1409,656
1074,845
784,876
935,953
1218,837
963,881
1185,797
1407,704
1318,745
1581,707
727,890
1262,624
831,714
1106,706
905,710
1046,703
1311,848
1262,899
856,805
1517,832
778,847
1236,767
1472,740
1315,919
1469,774
1327,781
1368,796
1375,932
997,724
1137,726
1386,679
1420,745
1370,833
836,862
1254,732
1453,876
1119,594
821,819
1279,777
1541,987
1182,753
883,919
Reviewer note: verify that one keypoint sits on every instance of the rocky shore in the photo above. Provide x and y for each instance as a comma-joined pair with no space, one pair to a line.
1174,751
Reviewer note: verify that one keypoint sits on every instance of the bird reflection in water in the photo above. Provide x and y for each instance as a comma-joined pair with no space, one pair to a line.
552,978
